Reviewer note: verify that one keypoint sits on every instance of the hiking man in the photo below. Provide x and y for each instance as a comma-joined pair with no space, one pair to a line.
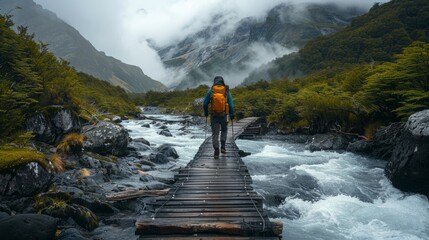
218,101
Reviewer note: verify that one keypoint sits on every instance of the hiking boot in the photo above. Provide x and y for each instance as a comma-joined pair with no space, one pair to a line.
222,150
216,153
222,147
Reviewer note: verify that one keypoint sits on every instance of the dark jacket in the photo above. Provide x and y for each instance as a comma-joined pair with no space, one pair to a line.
218,81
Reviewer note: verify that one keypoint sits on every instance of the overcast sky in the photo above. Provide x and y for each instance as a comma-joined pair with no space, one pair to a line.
121,28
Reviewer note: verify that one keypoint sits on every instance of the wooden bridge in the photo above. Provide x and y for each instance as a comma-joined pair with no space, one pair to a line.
211,199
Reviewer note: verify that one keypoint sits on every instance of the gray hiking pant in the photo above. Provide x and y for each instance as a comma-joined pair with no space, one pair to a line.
219,124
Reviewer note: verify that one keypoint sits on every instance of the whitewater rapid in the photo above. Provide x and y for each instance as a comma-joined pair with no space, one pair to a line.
330,195
317,195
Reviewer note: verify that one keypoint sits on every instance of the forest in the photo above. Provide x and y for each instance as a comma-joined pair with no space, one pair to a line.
33,80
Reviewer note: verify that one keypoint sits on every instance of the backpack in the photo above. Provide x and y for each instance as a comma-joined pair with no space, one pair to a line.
218,101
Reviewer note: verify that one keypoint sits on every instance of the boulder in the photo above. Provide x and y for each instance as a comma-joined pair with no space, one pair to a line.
142,140
146,178
408,168
106,138
168,151
41,128
116,119
328,141
26,180
385,140
158,158
139,146
65,122
146,125
242,153
50,128
166,133
28,226
83,216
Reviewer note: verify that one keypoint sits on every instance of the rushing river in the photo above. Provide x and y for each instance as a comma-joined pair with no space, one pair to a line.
317,195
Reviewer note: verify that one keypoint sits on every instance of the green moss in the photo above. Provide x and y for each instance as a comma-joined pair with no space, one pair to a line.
111,159
11,157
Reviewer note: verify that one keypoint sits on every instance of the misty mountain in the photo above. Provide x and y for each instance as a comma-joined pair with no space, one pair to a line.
373,37
234,50
67,43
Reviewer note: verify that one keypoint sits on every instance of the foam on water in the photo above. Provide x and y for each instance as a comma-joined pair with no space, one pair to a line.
186,140
352,200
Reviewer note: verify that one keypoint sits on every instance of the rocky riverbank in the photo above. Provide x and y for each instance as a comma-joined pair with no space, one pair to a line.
404,145
99,161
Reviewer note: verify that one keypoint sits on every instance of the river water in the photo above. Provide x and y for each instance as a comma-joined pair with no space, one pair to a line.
317,195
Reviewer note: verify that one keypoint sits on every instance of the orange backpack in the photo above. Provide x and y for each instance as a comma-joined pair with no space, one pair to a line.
219,102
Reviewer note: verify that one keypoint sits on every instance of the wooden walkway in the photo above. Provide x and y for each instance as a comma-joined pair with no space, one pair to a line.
211,199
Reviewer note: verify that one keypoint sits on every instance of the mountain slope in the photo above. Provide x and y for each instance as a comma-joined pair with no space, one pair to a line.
373,37
67,43
233,51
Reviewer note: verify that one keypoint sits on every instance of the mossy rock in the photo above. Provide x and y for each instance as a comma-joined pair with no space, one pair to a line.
12,157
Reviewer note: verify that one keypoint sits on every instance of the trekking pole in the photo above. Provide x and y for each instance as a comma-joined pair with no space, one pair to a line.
232,125
205,132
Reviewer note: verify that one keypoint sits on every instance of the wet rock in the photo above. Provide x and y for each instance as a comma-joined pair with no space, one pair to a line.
146,178
28,226
83,216
52,127
146,125
147,163
142,140
25,180
385,140
408,168
41,127
116,119
360,146
166,133
163,127
243,153
106,138
139,146
65,122
20,204
124,118
168,151
5,209
166,177
71,234
112,233
330,141
158,158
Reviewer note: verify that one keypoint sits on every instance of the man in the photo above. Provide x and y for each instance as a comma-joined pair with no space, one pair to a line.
218,101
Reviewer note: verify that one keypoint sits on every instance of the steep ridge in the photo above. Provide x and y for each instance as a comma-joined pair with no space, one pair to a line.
234,51
67,43
374,37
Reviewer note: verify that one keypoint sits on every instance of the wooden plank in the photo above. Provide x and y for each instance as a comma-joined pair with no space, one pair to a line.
205,197
208,209
208,215
207,202
204,237
130,194
235,229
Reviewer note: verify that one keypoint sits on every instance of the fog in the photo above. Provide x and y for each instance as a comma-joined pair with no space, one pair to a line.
123,29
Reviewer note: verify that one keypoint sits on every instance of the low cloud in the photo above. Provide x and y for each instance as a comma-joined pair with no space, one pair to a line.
124,28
